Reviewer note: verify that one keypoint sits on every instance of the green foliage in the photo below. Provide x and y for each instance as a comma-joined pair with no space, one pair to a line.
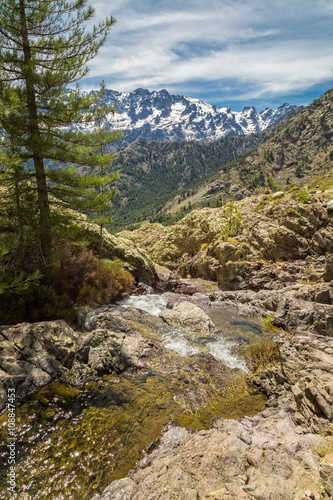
258,180
298,171
304,197
158,171
293,189
233,220
18,282
43,49
271,183
324,124
327,185
269,155
261,355
268,323
84,279
263,202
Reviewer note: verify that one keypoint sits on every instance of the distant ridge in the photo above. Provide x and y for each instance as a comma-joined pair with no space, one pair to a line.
160,116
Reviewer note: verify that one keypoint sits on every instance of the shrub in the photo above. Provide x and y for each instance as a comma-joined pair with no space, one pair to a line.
75,278
87,280
268,323
261,355
233,220
304,197
325,448
271,183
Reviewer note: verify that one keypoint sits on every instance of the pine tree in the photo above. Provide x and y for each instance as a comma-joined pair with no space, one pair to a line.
44,47
13,176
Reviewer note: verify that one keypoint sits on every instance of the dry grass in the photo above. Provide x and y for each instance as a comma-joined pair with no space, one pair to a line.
261,355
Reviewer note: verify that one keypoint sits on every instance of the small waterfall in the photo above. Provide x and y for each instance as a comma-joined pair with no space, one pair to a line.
151,303
178,341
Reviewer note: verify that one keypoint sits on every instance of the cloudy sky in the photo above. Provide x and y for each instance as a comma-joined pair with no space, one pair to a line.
227,52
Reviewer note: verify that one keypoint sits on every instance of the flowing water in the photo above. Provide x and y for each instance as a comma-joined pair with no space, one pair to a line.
73,442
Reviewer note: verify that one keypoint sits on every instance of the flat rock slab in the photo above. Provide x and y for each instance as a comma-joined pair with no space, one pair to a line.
257,457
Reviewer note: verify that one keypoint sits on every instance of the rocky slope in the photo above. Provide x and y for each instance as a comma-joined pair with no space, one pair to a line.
232,244
159,116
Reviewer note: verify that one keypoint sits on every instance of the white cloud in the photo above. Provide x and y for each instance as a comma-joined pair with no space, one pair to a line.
271,47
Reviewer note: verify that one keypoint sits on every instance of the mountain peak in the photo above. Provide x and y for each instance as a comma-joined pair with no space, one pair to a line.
161,116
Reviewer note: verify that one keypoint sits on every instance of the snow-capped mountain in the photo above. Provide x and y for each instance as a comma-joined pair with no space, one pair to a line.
159,116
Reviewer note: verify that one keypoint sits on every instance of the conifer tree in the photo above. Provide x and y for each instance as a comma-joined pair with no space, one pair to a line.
13,177
44,47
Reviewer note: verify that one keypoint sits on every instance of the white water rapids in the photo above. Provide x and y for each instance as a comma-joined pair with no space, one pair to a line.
178,341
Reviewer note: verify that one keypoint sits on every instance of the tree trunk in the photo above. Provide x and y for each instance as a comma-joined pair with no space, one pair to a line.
18,208
45,234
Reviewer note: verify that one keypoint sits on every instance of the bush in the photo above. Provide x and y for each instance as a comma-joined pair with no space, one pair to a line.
76,278
87,280
268,323
261,355
304,197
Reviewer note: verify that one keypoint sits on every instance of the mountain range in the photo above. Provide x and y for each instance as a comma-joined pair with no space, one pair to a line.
163,180
160,116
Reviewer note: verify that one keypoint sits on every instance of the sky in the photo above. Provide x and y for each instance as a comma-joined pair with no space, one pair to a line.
234,53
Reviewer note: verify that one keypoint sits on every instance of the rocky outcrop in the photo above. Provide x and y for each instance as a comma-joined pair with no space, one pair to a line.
32,355
224,244
329,268
265,456
135,259
297,308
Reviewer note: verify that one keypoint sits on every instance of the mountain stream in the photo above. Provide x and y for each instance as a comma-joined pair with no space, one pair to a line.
73,442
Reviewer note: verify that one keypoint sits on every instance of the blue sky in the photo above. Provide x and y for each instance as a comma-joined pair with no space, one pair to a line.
227,52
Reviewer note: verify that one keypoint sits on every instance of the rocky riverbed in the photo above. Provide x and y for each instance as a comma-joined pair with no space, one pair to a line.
283,451
95,398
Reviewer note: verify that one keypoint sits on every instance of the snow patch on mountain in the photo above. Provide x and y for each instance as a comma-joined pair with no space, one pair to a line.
145,115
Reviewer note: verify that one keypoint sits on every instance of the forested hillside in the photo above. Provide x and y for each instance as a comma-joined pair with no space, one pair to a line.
154,172
297,154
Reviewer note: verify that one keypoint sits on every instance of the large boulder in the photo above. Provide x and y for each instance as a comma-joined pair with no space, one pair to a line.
105,351
190,318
